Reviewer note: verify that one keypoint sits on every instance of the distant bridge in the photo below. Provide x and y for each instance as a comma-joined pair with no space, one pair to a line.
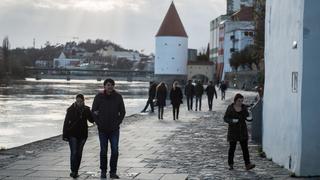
76,73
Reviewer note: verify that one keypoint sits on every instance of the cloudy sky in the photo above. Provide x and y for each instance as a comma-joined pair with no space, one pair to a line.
129,23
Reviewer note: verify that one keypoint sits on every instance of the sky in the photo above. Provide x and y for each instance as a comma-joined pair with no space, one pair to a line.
132,24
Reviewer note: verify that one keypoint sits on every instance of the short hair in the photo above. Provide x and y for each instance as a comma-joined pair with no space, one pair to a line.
80,96
111,81
237,96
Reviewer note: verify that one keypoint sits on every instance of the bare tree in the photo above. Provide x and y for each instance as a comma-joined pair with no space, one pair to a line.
6,51
259,19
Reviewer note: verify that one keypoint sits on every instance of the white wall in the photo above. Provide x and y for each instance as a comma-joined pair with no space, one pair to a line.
291,118
171,55
310,106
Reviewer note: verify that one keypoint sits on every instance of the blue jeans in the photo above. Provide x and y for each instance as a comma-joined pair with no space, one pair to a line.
76,147
113,137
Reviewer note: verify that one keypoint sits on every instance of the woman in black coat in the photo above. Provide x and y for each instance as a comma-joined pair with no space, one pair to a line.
161,96
75,131
176,99
236,116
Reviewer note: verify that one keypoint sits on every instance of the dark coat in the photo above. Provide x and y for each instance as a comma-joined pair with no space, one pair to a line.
189,90
237,131
211,91
161,96
110,111
223,87
75,122
176,96
152,91
198,90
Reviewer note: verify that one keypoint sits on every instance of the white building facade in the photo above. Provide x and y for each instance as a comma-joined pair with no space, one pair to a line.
291,96
63,62
238,35
110,51
171,55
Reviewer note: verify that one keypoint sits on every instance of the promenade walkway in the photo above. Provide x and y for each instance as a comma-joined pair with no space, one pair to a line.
193,147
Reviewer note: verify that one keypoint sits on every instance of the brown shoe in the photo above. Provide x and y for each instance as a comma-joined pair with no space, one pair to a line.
250,166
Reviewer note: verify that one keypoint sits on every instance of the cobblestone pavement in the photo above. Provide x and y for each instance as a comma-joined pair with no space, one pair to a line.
193,147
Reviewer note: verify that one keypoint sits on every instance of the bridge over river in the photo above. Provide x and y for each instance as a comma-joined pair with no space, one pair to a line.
76,73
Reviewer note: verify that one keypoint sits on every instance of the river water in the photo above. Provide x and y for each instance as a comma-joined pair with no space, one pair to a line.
32,110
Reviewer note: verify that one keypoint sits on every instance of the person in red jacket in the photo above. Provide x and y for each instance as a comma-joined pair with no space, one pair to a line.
108,111
75,131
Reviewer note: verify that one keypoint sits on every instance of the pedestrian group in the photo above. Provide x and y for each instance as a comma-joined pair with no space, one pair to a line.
108,112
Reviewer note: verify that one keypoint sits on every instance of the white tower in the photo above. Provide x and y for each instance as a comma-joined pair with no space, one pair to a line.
171,46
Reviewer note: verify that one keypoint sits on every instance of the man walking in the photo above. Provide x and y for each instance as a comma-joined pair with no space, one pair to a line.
152,95
211,91
189,92
108,111
198,91
223,88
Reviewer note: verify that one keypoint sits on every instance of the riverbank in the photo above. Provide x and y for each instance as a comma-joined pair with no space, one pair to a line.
33,149
193,147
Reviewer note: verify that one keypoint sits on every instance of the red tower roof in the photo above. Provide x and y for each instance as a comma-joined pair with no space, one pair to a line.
171,24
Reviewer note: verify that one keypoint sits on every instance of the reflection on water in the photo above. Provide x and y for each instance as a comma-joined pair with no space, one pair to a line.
33,110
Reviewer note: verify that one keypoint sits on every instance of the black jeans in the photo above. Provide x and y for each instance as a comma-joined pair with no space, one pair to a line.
113,137
76,147
223,95
210,99
175,110
160,111
149,102
245,151
189,102
198,99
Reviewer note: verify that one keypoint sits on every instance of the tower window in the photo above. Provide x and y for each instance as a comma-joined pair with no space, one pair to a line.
172,58
179,44
165,44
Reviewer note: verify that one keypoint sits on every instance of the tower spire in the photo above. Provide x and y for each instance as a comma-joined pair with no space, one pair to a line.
171,24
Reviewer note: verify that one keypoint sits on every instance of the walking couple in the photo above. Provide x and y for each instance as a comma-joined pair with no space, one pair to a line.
107,112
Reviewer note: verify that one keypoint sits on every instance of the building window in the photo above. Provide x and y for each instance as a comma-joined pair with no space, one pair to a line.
172,58
179,44
165,44
248,33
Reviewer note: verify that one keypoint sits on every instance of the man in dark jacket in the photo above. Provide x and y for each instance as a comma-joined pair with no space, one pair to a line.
152,94
108,110
198,91
211,91
189,92
223,88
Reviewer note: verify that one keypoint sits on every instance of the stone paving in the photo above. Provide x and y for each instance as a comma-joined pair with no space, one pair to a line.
193,147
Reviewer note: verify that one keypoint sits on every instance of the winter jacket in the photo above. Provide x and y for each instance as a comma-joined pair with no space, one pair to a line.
211,91
198,90
161,96
176,96
108,111
189,90
75,123
152,91
236,131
